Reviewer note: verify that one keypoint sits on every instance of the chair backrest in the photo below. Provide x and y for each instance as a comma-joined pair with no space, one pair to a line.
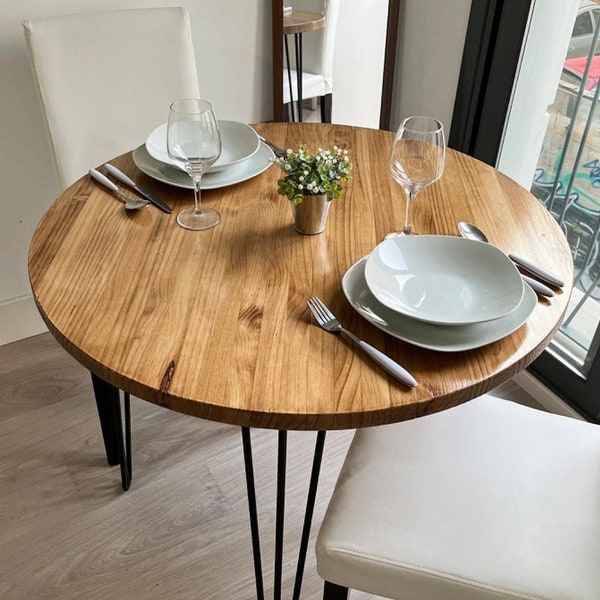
318,47
106,80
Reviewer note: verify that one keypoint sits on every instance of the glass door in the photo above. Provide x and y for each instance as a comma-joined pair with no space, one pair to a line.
566,181
527,103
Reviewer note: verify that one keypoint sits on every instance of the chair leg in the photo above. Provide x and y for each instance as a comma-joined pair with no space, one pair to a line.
332,591
326,102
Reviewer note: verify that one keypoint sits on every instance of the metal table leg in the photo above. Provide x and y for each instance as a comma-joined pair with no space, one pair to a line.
289,73
298,46
280,510
299,67
116,443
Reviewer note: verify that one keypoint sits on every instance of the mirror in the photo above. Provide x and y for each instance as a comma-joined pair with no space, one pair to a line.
382,60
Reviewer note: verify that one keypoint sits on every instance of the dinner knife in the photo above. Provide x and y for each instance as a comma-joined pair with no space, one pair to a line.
140,190
538,271
537,286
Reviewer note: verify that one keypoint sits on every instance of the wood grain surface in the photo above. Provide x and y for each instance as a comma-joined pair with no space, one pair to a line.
136,298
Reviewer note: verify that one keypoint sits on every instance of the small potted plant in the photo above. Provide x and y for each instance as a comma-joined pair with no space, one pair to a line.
311,182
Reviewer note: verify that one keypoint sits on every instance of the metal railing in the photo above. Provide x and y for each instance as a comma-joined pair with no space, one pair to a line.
568,184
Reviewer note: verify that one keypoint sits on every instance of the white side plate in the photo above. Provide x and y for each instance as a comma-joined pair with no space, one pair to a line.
237,173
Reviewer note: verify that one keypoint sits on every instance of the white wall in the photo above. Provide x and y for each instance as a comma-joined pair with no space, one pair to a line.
233,47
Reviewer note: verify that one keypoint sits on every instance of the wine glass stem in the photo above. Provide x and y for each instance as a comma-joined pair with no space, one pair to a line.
197,202
410,198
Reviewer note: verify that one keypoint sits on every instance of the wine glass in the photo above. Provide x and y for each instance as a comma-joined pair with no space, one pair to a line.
194,144
417,159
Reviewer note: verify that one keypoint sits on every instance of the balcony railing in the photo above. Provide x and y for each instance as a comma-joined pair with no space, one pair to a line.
567,182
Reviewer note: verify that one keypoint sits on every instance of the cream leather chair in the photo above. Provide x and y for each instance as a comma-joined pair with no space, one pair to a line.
317,58
490,500
106,80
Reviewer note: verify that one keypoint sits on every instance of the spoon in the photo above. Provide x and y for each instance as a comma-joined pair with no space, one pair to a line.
130,204
474,233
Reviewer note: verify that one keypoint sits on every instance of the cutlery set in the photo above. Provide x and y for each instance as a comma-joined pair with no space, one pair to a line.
230,129
130,203
469,231
137,188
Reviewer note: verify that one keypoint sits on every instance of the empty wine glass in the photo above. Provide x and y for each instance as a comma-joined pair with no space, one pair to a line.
194,144
417,159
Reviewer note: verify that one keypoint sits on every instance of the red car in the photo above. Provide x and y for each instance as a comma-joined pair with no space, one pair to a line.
574,69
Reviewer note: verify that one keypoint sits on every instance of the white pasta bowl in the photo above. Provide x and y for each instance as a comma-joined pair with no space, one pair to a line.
444,280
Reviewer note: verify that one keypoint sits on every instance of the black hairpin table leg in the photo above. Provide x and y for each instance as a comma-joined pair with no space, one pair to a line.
308,515
280,512
289,74
116,443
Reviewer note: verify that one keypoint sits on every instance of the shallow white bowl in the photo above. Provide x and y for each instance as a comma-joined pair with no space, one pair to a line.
458,338
443,279
238,142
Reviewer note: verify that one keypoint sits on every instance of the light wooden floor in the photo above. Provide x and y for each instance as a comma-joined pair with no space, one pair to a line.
68,531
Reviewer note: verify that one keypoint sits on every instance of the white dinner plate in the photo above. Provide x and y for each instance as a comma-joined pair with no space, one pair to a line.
238,142
237,173
443,279
457,338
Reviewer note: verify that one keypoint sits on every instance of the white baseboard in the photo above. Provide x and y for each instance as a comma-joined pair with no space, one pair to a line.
548,399
19,319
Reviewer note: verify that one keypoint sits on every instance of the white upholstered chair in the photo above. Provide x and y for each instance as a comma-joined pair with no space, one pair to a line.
490,500
317,58
106,80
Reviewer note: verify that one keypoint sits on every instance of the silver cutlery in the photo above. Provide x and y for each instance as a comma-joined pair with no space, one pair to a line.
279,152
325,318
138,188
469,231
130,203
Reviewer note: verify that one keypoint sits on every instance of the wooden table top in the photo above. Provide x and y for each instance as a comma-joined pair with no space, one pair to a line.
215,323
302,21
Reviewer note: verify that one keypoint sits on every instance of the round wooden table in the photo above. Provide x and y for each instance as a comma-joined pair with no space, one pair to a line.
214,324
129,295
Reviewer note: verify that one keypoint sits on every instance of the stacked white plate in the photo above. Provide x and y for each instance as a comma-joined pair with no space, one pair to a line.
243,156
439,292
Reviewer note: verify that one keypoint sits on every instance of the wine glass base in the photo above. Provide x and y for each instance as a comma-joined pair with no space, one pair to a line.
205,218
394,234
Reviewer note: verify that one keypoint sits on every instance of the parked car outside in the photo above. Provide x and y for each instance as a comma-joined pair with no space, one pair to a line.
588,17
574,68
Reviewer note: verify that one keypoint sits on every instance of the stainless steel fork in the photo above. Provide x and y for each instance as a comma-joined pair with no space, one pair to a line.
326,319
279,152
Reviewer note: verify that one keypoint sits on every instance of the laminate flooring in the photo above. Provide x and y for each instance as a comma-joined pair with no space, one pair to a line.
68,531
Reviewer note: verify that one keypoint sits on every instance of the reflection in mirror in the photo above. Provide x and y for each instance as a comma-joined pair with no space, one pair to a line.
308,72
347,60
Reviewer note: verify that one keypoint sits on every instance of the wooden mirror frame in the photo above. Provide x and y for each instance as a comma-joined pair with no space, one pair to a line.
388,65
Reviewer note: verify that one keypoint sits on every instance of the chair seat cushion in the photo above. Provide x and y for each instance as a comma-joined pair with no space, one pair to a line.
488,500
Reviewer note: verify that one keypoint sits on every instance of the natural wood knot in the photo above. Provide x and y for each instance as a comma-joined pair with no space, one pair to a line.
167,378
252,315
